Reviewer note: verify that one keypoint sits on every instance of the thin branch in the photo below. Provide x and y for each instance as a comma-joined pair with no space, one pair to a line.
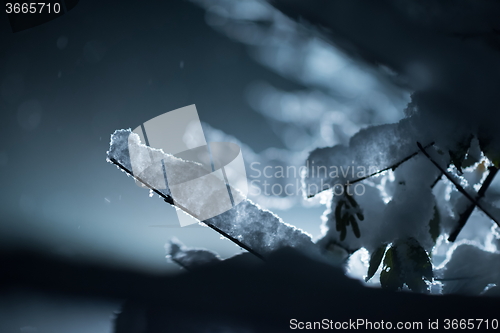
167,198
393,167
457,185
458,278
170,200
437,180
466,214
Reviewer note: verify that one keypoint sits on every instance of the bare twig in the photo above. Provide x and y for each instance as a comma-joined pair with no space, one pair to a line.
170,200
466,214
437,180
458,278
457,185
393,167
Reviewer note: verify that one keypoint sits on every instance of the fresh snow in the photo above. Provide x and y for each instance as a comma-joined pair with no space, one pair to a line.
259,229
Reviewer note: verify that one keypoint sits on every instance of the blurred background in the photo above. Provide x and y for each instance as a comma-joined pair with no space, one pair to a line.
274,86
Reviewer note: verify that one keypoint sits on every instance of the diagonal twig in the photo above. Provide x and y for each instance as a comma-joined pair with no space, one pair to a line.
457,185
458,278
393,167
437,180
170,200
466,214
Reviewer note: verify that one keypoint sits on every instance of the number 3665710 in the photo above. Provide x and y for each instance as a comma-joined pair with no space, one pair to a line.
32,8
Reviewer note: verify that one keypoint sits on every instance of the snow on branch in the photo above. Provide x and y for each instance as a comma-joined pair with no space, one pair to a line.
462,190
370,152
189,258
256,230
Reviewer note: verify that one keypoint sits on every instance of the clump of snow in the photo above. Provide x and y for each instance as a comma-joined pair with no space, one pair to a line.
118,148
412,206
189,257
469,269
259,229
370,150
409,191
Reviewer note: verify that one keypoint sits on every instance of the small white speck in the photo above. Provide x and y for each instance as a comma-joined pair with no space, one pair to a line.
107,200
